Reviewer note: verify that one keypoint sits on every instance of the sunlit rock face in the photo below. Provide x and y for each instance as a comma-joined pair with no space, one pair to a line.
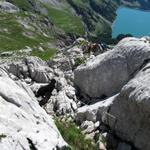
107,73
23,123
131,109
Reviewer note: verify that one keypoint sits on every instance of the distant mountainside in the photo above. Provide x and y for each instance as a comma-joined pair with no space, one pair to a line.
95,18
43,25
143,4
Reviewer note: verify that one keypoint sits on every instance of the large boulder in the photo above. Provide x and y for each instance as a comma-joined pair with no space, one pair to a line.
106,74
63,99
131,111
39,70
23,123
95,112
18,69
31,67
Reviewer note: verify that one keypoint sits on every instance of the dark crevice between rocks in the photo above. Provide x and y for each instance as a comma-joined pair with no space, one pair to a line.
26,63
86,99
112,135
112,132
145,62
63,148
31,144
45,92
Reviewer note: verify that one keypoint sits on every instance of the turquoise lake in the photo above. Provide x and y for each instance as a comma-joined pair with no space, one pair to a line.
131,21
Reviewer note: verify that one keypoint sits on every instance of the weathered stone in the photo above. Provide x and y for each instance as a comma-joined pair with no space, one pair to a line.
106,74
6,54
61,83
87,126
18,69
131,111
102,146
97,124
95,112
60,61
39,70
31,67
23,121
61,104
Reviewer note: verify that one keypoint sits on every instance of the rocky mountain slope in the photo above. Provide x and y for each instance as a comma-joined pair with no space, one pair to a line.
120,80
107,97
39,27
27,27
24,124
97,95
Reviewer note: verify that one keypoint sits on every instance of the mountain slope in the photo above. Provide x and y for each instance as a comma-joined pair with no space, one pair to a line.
37,26
40,26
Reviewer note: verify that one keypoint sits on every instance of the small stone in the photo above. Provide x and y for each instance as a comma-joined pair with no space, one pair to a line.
102,146
97,124
86,124
28,80
90,136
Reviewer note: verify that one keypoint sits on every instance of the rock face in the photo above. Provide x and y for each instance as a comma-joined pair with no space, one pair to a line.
94,112
8,7
23,123
107,73
32,67
38,74
131,109
63,99
122,75
127,113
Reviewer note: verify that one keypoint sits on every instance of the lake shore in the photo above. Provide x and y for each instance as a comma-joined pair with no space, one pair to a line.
127,22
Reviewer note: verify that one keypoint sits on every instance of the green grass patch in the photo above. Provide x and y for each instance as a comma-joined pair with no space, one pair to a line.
79,61
45,55
12,34
73,136
66,20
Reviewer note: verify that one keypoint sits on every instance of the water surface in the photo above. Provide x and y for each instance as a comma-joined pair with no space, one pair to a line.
131,21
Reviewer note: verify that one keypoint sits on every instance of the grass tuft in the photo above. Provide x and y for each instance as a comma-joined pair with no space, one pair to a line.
73,136
44,55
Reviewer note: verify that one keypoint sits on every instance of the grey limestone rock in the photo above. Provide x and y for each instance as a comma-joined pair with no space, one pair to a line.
131,108
107,73
23,121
